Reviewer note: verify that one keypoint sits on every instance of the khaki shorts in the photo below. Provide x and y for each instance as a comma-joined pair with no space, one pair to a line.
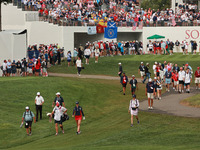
142,73
176,83
30,71
150,95
197,80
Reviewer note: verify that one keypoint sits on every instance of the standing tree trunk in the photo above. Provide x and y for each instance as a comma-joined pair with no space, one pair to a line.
0,18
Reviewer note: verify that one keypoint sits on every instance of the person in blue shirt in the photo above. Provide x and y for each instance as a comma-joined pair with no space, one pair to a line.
119,45
122,49
75,55
78,113
167,78
9,65
150,90
69,58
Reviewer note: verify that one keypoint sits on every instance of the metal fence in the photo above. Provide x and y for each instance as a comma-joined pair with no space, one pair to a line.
62,21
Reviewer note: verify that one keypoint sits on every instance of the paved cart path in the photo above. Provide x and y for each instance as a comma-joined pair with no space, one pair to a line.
169,104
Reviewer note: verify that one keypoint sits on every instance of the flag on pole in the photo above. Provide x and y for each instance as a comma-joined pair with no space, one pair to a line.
100,29
91,30
110,33
134,26
111,24
173,22
140,25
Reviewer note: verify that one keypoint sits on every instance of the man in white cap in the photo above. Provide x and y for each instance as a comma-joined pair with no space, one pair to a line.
58,99
120,69
28,117
58,113
141,71
150,90
39,101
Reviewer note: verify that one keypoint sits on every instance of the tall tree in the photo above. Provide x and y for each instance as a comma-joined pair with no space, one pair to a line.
3,2
155,4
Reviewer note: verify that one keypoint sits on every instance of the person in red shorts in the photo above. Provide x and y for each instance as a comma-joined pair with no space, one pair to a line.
78,113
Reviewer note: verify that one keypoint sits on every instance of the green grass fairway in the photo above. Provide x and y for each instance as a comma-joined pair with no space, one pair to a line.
192,101
107,124
109,65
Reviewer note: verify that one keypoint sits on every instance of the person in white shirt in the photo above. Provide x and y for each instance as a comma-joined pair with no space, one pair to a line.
58,112
96,51
78,66
4,68
181,78
39,101
154,69
133,109
87,53
188,79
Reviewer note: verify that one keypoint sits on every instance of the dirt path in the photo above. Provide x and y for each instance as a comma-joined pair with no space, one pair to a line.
170,103
87,76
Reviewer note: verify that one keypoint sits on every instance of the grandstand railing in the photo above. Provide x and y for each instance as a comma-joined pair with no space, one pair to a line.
62,21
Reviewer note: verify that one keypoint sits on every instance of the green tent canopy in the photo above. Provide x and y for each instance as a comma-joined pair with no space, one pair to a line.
156,37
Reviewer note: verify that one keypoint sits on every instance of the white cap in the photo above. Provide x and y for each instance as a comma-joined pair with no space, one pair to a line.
141,62
38,93
58,93
155,77
133,75
119,63
26,107
156,63
150,80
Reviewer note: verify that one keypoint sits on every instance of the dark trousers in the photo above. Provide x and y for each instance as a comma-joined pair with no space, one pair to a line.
79,70
38,108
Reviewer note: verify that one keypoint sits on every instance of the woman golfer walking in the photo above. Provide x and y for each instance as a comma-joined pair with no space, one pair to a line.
78,113
133,109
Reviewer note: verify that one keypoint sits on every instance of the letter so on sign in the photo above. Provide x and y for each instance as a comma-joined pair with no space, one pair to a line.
194,34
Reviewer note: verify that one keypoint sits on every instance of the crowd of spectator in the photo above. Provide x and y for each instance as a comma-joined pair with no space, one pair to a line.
100,49
167,47
39,58
124,13
24,68
53,52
